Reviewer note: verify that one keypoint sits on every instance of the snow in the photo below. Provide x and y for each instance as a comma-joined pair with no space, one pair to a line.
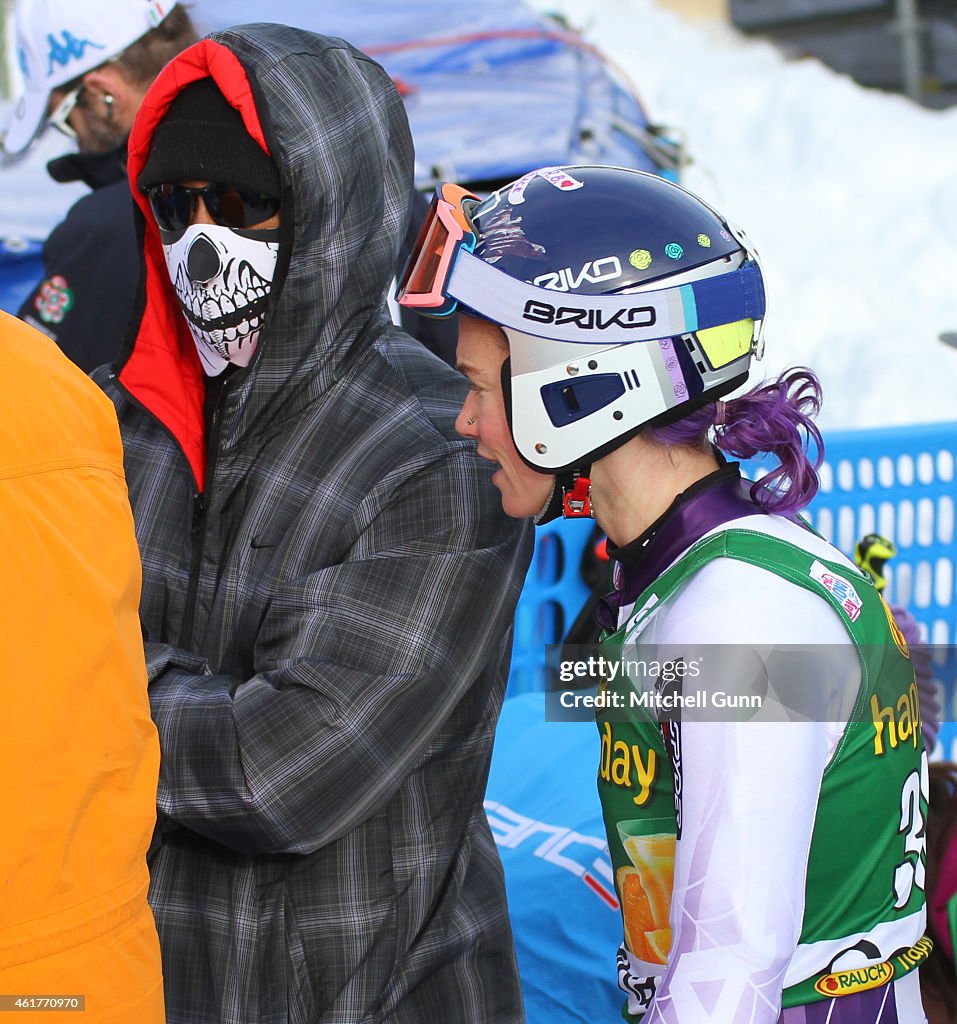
849,194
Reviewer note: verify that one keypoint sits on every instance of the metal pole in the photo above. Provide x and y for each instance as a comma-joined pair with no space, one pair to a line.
908,25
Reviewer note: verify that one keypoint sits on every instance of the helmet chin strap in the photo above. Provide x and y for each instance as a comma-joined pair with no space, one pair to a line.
570,498
576,493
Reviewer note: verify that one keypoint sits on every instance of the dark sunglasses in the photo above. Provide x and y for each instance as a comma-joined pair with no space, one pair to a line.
173,205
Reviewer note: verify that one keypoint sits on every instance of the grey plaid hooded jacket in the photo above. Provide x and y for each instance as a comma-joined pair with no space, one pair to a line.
329,583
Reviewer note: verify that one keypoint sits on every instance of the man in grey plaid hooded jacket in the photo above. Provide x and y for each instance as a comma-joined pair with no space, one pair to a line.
328,589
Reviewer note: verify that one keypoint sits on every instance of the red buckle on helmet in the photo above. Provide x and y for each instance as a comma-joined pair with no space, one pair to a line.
576,503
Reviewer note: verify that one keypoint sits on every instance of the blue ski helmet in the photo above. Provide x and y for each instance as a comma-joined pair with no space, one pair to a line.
626,301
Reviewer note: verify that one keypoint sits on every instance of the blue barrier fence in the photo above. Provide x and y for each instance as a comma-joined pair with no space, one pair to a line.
898,481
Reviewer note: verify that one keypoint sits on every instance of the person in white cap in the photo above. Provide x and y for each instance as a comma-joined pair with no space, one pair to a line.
86,66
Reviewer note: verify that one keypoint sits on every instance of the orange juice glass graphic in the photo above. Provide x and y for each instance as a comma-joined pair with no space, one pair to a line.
645,886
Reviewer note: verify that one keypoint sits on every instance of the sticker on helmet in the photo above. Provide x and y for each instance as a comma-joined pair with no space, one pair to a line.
640,259
556,176
704,241
673,369
674,251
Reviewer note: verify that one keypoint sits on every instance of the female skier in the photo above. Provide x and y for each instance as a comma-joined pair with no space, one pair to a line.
765,790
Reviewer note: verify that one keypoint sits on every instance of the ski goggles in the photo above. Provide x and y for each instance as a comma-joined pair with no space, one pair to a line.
445,232
229,206
443,271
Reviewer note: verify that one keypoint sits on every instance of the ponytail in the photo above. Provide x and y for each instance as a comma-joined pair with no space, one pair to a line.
776,419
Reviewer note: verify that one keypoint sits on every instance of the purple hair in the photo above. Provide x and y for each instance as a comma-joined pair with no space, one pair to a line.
775,418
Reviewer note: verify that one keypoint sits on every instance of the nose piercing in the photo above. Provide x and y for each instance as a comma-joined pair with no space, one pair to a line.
470,421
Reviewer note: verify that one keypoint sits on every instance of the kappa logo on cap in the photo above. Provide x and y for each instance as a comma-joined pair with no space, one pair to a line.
67,48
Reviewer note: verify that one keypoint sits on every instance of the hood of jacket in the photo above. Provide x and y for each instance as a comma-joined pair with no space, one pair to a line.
334,124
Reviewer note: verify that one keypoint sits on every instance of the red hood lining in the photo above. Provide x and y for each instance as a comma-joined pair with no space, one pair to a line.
163,372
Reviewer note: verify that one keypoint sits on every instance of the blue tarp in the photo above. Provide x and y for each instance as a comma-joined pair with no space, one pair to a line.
496,89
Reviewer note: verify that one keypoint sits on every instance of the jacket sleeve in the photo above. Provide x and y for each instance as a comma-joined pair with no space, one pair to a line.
364,668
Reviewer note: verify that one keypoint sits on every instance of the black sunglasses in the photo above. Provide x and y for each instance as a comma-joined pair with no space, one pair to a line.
173,205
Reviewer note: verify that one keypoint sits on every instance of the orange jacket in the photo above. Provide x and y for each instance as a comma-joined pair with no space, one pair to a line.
79,757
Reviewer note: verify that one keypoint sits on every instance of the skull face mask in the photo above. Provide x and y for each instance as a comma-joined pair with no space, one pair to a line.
222,278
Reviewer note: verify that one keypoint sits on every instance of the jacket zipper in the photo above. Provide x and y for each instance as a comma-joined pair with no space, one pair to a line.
201,504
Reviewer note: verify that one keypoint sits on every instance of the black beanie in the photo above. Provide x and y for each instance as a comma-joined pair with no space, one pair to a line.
203,138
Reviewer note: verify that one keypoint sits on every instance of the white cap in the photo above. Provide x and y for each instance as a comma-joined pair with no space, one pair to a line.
59,40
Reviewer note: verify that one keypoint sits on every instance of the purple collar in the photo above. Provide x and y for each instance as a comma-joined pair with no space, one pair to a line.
718,498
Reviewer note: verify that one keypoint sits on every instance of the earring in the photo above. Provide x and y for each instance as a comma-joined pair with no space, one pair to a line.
108,101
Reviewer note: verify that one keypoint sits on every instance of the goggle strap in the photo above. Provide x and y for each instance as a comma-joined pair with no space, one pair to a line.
606,319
